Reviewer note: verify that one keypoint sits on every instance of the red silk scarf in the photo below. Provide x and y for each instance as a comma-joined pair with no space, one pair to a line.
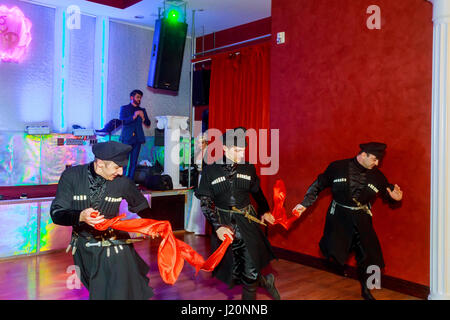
171,252
279,212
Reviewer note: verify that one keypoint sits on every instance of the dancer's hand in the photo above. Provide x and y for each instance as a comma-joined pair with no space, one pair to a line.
154,235
267,217
396,194
222,231
298,210
91,217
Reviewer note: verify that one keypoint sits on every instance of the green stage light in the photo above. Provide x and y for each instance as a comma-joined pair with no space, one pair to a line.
173,15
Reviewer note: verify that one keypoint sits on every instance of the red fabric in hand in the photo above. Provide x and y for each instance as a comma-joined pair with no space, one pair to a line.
171,252
279,212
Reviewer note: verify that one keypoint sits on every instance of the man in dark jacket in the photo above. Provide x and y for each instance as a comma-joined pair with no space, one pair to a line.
224,193
354,184
133,117
110,267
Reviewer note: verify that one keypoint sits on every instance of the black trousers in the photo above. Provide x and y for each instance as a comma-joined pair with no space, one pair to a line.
244,270
133,160
361,258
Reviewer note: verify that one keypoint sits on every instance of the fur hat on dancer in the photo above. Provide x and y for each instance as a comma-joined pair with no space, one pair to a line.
378,149
112,151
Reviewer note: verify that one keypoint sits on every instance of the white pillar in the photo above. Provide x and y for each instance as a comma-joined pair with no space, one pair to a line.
100,71
60,72
172,134
440,156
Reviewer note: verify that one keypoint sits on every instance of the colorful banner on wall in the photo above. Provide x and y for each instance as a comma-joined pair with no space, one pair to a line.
39,159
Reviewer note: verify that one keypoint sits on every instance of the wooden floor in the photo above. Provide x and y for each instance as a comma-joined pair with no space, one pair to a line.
44,277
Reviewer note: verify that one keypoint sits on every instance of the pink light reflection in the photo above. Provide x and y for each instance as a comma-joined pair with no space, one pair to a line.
15,35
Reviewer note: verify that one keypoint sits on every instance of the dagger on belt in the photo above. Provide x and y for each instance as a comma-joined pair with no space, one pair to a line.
249,216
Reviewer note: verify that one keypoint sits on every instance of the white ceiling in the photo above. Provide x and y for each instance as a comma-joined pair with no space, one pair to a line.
216,15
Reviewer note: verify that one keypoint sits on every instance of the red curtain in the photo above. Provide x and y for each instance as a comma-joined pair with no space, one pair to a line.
240,91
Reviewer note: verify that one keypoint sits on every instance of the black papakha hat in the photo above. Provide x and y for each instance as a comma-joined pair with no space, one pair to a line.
112,151
235,138
375,148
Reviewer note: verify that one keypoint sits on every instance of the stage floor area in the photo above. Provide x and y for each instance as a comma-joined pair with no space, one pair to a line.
44,277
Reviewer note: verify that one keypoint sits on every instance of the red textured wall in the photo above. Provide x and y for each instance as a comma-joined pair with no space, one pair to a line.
335,84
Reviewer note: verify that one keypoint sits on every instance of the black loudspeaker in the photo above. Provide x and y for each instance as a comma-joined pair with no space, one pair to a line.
159,137
200,87
166,59
142,172
205,120
159,182
184,178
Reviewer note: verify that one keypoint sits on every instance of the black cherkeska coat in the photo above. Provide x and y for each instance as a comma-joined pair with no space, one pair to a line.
122,275
224,186
347,180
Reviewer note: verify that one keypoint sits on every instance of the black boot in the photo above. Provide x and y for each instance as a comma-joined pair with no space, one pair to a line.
249,291
268,283
365,292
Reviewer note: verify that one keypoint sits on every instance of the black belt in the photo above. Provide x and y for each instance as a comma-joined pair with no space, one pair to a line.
245,212
100,242
363,207
112,242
